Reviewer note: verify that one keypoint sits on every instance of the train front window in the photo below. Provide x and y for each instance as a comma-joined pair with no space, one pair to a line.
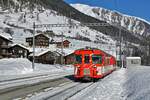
97,59
86,59
78,59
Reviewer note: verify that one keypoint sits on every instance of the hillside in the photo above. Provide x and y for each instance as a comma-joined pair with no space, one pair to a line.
131,23
66,10
19,23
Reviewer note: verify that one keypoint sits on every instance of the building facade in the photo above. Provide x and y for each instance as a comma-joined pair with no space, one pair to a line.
19,51
65,44
41,41
46,57
4,47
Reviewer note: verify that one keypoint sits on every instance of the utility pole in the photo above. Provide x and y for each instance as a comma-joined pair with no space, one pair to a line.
62,48
33,60
120,51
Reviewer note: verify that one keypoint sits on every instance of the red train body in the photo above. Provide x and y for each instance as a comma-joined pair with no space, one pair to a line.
93,63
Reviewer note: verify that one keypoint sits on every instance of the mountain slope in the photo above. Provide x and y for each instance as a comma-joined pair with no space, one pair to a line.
133,24
64,9
19,22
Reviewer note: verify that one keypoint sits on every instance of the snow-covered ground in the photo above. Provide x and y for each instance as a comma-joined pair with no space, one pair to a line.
123,84
20,67
18,71
131,83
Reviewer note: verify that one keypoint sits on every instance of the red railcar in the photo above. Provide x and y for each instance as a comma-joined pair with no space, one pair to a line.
93,63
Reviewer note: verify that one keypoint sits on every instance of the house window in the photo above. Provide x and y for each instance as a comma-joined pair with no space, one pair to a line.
3,43
20,51
25,54
3,51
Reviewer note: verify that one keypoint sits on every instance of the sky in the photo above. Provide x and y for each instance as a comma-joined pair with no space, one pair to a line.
138,8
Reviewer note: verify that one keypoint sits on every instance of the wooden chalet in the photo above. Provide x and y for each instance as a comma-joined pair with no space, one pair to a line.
46,57
41,41
68,55
69,59
65,44
19,51
5,40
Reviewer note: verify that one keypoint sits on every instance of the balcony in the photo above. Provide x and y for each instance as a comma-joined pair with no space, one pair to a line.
5,46
6,54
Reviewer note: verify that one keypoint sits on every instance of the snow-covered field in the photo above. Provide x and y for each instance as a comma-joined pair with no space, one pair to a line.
20,67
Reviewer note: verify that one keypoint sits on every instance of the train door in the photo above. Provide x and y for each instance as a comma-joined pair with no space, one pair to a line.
97,65
78,63
86,65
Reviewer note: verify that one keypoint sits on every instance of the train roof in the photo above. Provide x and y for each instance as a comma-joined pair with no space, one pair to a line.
91,49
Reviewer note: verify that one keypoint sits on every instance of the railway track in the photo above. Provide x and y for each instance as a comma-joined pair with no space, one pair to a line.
23,90
69,92
30,80
64,92
57,89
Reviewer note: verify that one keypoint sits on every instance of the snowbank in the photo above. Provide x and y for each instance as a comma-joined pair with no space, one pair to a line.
43,68
15,66
123,84
136,86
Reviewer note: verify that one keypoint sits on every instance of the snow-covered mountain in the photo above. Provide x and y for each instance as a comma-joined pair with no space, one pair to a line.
131,23
17,19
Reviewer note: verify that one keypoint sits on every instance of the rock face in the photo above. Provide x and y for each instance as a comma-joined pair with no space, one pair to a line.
133,24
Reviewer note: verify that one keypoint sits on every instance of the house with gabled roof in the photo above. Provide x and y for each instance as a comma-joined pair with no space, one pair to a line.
41,40
19,51
65,44
5,40
68,55
46,57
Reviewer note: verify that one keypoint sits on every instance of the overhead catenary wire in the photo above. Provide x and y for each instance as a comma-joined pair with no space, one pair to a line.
120,39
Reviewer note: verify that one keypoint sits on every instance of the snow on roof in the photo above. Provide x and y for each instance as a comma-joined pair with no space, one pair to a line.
59,39
6,36
20,46
41,51
38,34
66,51
42,34
63,41
133,57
